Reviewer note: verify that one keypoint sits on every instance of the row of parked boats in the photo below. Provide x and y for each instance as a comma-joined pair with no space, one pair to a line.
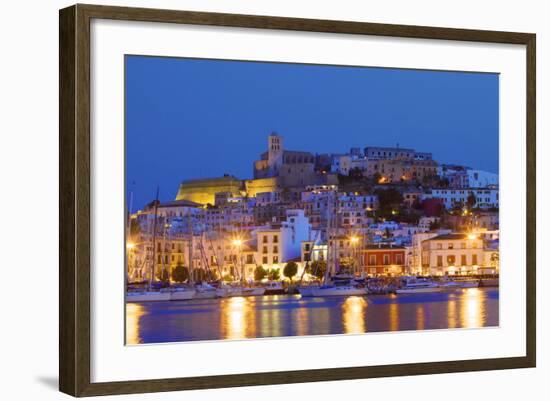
339,286
407,285
201,291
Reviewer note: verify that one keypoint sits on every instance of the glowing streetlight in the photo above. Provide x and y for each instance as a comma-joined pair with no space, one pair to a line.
237,242
472,236
354,240
130,245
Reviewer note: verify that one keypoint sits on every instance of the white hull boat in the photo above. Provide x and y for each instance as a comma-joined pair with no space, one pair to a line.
273,288
338,291
147,296
307,290
252,291
232,291
205,291
244,291
415,285
469,284
207,294
459,284
418,290
182,294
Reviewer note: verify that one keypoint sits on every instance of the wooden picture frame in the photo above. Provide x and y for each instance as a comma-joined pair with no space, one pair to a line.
74,204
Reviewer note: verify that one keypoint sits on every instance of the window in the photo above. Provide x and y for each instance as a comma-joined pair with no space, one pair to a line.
439,246
463,260
265,239
463,245
451,260
451,245
275,238
474,259
307,247
264,260
372,260
249,259
439,260
264,250
386,259
275,259
275,249
399,259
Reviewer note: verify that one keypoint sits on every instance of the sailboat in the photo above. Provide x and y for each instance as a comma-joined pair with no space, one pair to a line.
306,290
333,287
149,294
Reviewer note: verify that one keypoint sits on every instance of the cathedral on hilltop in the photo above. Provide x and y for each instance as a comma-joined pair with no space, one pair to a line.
293,169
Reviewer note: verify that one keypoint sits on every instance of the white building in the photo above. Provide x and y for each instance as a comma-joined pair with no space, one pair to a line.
341,164
481,179
453,254
279,243
485,197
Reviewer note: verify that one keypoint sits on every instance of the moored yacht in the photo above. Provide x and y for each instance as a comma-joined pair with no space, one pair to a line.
273,288
181,293
252,291
338,290
205,291
307,290
414,285
147,296
458,283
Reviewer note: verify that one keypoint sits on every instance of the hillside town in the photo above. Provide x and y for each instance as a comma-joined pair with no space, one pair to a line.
373,212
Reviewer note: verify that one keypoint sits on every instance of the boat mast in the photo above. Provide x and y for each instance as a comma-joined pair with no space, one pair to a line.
190,223
128,232
152,278
329,234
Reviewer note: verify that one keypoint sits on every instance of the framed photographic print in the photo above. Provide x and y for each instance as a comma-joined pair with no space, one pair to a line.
250,200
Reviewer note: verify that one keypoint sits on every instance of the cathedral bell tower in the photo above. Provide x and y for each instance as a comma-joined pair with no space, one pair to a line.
275,152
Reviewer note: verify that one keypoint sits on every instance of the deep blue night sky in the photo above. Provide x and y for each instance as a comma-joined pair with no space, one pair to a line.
189,118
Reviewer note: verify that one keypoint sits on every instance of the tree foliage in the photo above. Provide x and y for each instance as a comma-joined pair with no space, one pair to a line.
180,274
199,275
290,270
273,274
317,268
163,275
259,273
388,200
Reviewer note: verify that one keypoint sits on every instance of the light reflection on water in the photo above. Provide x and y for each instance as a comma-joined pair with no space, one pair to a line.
290,315
353,315
473,313
133,314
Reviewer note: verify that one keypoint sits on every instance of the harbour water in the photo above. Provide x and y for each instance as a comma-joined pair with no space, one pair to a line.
290,315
